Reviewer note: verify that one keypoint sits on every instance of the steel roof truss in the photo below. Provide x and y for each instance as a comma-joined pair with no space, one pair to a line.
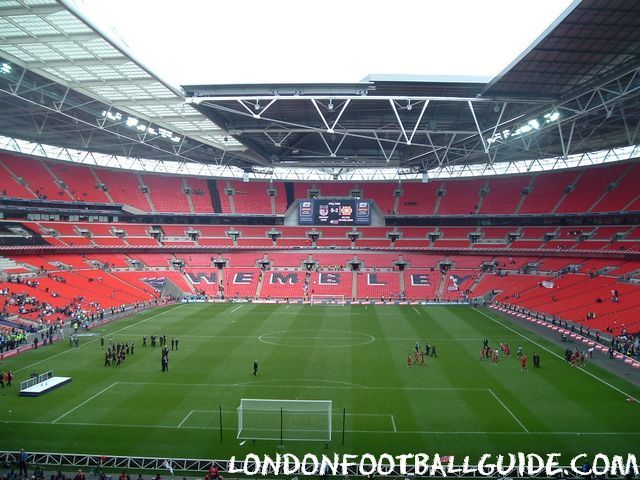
343,107
409,139
393,149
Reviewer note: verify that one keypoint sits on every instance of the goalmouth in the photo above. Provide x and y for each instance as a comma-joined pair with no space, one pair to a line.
294,420
327,300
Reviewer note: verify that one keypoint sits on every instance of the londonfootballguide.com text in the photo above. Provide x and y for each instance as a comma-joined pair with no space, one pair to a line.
523,464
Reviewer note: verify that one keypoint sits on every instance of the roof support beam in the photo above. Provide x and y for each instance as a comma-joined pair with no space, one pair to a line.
30,10
393,149
28,39
85,62
114,82
409,139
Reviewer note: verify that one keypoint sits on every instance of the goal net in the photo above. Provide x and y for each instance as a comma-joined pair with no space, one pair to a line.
327,299
261,419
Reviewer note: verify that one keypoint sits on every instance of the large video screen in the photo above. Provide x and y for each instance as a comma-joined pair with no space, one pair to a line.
333,211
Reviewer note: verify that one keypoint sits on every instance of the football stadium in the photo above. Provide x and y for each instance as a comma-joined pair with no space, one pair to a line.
198,280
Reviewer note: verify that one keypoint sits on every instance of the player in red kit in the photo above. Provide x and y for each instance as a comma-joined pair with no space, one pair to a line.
422,358
523,363
409,359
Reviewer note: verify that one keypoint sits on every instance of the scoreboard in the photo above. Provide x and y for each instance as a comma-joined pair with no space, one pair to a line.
334,211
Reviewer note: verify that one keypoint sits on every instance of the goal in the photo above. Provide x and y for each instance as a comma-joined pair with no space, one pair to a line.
327,300
296,420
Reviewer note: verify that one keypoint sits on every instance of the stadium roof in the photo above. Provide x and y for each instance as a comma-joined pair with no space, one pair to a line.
62,70
573,91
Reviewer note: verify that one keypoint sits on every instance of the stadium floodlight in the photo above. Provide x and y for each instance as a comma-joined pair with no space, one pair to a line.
551,116
132,122
115,117
293,420
5,68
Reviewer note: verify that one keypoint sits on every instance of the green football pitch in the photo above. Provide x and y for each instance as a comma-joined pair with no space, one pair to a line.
355,356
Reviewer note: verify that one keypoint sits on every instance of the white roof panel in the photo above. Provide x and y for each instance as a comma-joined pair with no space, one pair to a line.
19,53
67,23
8,29
71,50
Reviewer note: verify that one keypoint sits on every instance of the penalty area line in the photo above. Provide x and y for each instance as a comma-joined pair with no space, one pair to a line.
508,410
85,402
185,419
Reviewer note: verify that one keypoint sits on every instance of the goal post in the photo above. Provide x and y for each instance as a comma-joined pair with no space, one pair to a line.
293,420
327,300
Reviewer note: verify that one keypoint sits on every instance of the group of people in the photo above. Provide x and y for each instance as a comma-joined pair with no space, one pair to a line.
165,359
419,356
574,357
490,354
117,354
19,300
6,378
162,340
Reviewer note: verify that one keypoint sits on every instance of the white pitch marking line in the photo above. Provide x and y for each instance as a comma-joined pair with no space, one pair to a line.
185,419
417,311
508,410
398,339
393,422
243,442
340,387
237,308
85,402
556,355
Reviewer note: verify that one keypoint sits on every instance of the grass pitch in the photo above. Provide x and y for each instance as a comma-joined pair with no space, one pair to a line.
355,356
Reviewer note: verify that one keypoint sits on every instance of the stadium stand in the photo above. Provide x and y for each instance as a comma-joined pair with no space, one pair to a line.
418,198
547,191
622,193
167,193
200,194
250,198
375,285
80,182
36,177
591,186
10,184
461,197
124,188
503,195
139,260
